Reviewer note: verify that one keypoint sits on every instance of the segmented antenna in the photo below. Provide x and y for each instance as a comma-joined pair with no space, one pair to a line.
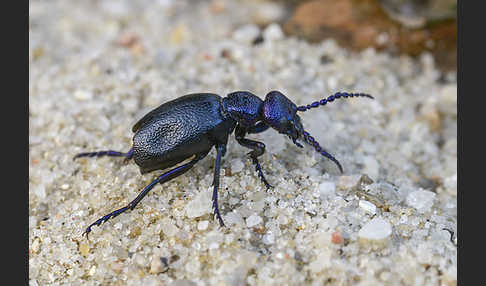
310,140
331,98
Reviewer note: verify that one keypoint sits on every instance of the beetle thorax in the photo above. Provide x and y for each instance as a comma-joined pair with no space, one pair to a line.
244,107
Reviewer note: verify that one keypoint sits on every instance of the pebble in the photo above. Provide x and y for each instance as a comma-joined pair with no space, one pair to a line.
327,188
40,191
246,34
376,229
157,265
237,166
200,205
36,245
421,200
253,220
367,206
83,95
233,218
168,227
371,167
202,225
269,238
273,32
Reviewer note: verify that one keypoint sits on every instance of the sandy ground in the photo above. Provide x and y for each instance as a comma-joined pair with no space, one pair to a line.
95,68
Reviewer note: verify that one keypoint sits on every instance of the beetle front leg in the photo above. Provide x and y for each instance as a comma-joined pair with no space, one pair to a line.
258,150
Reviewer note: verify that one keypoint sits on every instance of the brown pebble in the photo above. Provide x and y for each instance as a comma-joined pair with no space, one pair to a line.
337,238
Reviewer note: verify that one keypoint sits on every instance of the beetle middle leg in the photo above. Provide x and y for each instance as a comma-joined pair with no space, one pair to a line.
167,176
217,167
258,149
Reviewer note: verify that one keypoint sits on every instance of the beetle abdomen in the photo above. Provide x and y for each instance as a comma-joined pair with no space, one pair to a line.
176,130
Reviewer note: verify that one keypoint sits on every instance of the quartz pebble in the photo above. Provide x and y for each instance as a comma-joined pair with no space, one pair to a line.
253,220
367,206
200,205
421,200
272,32
157,265
237,166
376,229
327,188
202,225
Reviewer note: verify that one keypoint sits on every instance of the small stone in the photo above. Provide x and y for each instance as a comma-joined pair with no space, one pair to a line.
273,32
376,229
269,238
158,265
253,220
168,227
92,270
234,218
371,167
367,206
84,249
200,205
83,95
246,33
327,189
36,245
237,166
202,225
40,191
421,200
337,238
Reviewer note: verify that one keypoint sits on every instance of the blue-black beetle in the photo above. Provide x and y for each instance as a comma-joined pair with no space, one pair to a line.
189,126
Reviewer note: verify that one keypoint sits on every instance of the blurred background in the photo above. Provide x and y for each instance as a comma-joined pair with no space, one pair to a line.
396,26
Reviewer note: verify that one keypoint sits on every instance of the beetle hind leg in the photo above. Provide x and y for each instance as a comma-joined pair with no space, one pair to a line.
167,176
110,153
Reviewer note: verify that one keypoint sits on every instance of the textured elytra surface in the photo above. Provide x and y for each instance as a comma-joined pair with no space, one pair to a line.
90,81
178,129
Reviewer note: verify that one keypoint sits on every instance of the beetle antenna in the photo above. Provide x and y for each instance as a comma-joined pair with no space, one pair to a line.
331,98
311,141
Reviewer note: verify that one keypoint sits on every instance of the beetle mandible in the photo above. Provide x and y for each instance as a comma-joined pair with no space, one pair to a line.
188,127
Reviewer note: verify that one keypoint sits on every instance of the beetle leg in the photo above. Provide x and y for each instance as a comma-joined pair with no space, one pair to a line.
111,153
167,176
217,167
258,150
257,128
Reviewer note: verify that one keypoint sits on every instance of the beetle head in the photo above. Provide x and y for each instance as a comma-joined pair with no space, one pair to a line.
281,114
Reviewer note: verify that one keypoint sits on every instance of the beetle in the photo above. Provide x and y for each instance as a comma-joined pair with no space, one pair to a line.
188,127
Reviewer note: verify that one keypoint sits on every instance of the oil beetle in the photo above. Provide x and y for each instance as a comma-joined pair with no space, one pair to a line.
189,126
